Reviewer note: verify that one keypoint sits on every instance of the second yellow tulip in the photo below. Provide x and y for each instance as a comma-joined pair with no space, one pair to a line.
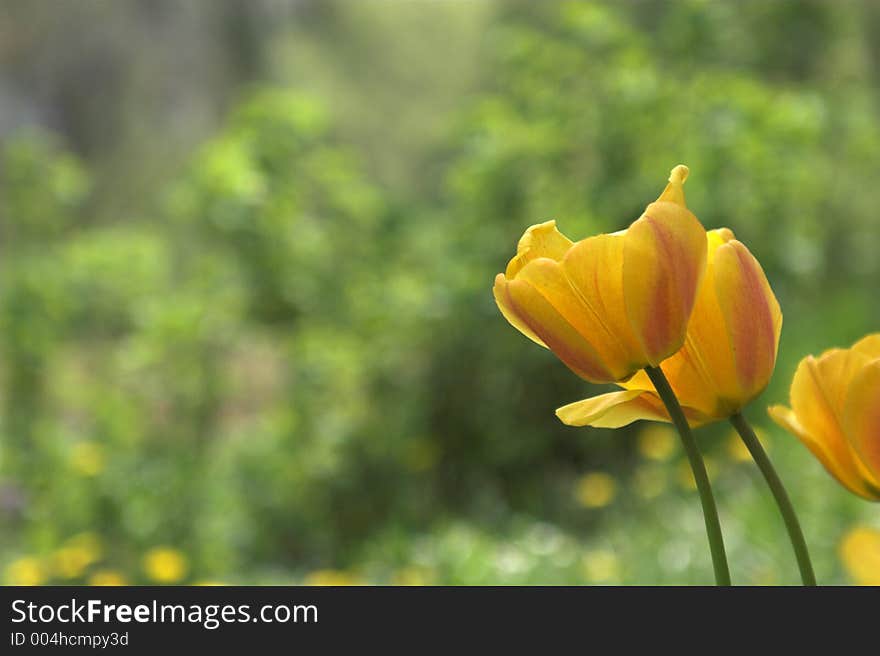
728,355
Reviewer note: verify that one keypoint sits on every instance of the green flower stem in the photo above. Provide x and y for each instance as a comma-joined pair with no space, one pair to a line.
710,512
792,525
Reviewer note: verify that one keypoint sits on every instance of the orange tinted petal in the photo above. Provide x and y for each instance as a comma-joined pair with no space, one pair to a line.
705,373
593,267
574,304
751,314
702,372
551,327
504,304
664,259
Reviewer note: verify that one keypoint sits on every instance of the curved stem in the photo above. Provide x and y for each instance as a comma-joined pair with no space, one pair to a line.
710,512
792,525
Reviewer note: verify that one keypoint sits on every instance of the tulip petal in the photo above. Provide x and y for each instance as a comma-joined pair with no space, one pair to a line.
861,419
816,397
573,303
537,313
674,192
707,370
845,473
693,405
664,259
869,345
540,240
818,393
617,409
504,304
593,268
833,371
704,373
639,381
751,313
613,410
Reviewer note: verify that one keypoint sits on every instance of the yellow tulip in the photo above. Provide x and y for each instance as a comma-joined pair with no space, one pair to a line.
611,304
728,355
835,412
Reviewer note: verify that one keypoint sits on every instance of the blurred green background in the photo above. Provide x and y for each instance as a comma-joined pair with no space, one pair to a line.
247,247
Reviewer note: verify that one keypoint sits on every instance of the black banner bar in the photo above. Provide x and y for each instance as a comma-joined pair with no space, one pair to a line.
132,619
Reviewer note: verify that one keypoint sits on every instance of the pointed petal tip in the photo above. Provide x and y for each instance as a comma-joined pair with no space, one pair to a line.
679,174
674,191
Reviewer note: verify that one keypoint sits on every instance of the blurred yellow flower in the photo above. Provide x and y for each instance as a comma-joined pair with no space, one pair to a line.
26,570
165,565
737,450
77,554
70,562
108,577
657,442
727,358
611,304
601,566
413,576
860,553
331,577
595,490
87,458
651,481
835,413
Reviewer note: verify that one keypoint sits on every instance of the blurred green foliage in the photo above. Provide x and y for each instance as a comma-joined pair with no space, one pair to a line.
265,350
